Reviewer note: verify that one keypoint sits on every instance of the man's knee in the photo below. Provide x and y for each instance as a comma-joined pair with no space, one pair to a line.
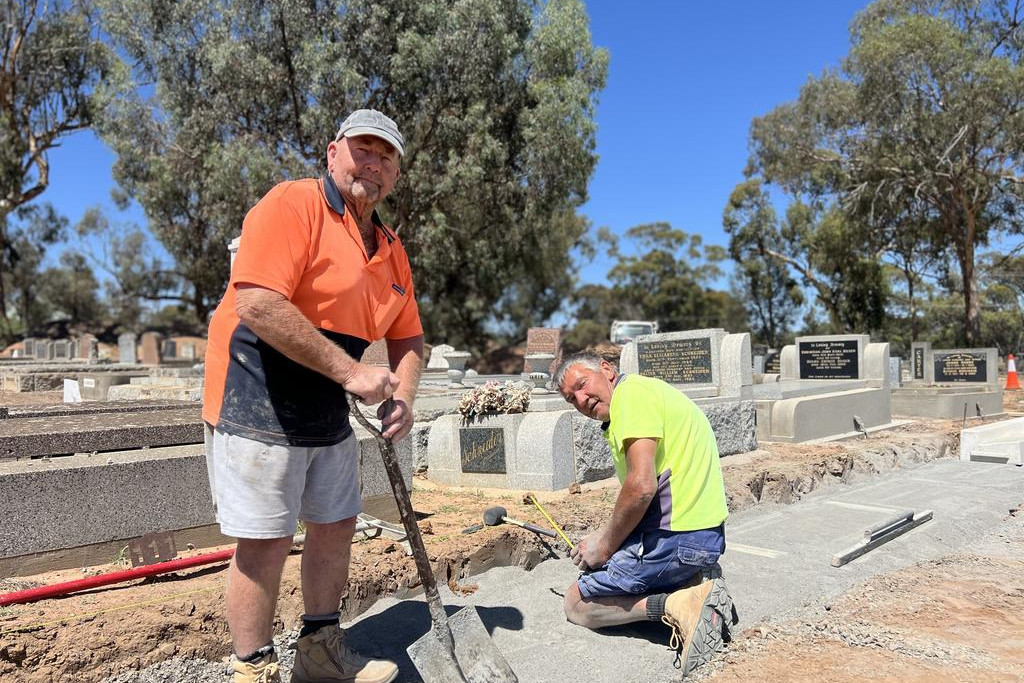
259,555
575,608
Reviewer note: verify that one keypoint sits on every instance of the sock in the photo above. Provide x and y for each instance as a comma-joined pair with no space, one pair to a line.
312,624
258,654
656,606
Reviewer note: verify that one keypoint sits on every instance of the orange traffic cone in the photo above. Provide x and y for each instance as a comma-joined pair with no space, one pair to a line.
1011,374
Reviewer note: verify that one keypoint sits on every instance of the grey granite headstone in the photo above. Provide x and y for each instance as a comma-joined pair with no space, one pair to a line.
44,349
29,346
170,349
126,348
62,349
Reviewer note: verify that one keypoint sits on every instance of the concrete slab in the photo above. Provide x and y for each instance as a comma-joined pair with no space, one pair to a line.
778,563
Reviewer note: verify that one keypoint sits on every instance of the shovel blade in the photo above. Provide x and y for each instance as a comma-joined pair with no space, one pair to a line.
478,656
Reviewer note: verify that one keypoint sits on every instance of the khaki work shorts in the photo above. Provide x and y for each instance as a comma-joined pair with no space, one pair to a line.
261,490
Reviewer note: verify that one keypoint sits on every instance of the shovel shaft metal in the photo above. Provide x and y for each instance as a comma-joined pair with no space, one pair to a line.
438,617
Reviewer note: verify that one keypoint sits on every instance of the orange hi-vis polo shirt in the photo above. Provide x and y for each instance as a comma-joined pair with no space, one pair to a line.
299,241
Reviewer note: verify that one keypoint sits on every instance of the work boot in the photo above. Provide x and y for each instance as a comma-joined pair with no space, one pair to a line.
699,616
323,657
265,670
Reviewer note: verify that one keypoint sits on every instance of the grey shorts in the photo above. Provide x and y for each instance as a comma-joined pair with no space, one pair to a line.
261,490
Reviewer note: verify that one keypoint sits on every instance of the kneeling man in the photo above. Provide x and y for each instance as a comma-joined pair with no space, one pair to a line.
657,557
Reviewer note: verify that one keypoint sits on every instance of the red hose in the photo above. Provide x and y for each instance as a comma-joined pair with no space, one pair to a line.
56,589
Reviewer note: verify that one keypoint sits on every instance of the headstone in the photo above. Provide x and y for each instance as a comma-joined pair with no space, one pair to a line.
758,365
773,362
76,348
376,354
437,360
84,346
704,363
126,348
894,370
30,347
151,348
188,351
170,349
44,349
543,340
72,394
62,349
920,369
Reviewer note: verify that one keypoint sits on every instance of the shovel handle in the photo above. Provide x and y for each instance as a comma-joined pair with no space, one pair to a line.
438,617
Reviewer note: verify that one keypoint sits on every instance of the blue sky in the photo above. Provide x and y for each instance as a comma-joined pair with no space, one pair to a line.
685,80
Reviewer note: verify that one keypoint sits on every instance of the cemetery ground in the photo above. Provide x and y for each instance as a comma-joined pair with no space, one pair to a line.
954,617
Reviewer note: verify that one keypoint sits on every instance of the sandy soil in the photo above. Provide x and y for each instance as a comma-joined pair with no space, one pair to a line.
958,618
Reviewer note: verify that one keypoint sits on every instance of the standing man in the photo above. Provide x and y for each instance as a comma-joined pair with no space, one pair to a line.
657,557
317,277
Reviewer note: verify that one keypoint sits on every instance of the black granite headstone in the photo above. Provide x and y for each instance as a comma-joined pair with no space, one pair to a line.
960,366
677,361
829,359
482,450
773,363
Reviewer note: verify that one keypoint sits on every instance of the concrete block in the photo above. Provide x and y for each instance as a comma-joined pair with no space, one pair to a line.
994,438
829,415
537,450
947,402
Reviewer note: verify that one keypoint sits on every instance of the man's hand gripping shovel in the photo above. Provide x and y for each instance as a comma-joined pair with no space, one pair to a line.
456,649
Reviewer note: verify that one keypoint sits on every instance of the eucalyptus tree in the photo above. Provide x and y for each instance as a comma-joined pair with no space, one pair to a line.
924,118
772,296
52,69
495,99
665,276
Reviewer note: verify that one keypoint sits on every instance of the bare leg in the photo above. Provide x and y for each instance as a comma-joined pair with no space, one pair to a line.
609,610
325,561
254,580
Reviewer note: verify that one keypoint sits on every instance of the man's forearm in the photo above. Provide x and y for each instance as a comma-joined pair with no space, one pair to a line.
629,509
276,321
406,359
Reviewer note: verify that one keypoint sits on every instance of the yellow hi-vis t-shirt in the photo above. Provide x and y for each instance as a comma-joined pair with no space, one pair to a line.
691,494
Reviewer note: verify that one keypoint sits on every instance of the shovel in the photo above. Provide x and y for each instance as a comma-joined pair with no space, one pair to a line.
459,649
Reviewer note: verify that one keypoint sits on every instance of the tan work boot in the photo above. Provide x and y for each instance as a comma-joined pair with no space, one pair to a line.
323,657
265,670
698,616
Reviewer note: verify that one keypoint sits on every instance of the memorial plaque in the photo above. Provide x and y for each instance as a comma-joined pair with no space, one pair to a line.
773,363
482,450
960,367
677,361
827,359
918,362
